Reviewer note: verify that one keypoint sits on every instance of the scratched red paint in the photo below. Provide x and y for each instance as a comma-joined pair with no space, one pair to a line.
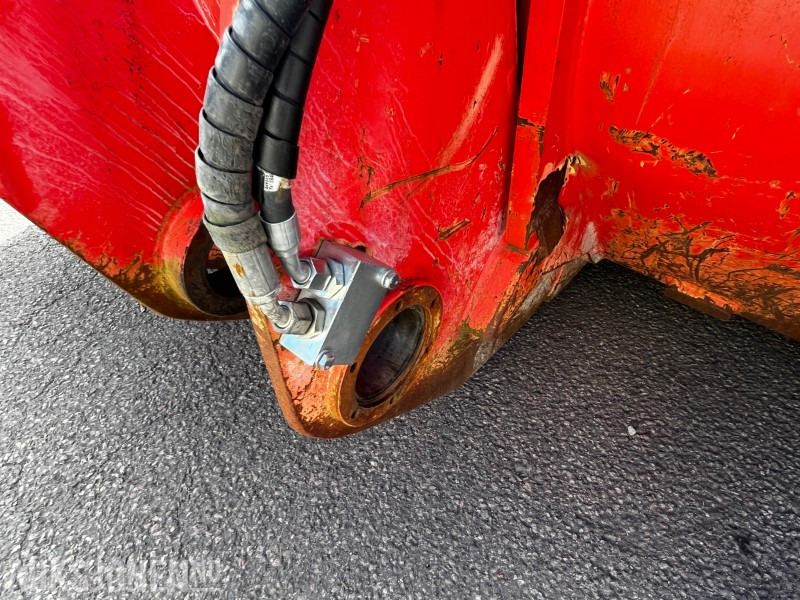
698,139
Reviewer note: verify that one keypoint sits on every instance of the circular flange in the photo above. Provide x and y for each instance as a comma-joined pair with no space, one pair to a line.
396,346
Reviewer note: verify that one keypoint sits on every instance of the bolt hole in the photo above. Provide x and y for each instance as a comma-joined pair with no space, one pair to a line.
389,357
397,307
353,367
354,414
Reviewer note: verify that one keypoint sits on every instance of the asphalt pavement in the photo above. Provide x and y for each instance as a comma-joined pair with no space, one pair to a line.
620,446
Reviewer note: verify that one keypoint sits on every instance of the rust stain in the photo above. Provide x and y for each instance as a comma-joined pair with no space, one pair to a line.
680,246
707,262
609,83
660,148
146,282
365,170
783,209
539,129
451,168
160,280
702,305
547,217
612,185
447,232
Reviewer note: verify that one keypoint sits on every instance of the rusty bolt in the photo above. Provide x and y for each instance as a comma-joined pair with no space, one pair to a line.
325,360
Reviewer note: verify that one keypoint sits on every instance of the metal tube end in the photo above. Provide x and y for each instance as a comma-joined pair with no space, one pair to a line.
390,279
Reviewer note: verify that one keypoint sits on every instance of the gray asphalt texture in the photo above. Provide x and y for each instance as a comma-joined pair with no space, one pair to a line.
620,446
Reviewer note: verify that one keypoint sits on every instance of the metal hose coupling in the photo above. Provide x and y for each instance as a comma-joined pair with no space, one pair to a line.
283,235
348,287
244,246
305,318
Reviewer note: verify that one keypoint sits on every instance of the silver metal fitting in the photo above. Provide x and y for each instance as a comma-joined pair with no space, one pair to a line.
353,285
325,360
284,239
254,273
269,306
304,318
326,277
390,279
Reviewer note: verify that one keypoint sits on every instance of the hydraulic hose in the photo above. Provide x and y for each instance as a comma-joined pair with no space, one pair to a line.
276,147
269,43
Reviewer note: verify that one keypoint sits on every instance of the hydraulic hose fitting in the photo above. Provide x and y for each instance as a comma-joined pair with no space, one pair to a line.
284,239
304,318
283,231
244,246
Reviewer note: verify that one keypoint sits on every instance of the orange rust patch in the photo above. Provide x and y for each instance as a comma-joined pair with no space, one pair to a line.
783,209
609,83
144,281
612,185
661,149
708,262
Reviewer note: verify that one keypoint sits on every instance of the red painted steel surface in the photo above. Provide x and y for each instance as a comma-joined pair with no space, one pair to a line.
696,178
671,125
98,113
683,115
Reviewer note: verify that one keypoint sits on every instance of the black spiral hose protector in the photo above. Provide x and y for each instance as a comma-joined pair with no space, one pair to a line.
249,55
254,101
269,43
276,149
